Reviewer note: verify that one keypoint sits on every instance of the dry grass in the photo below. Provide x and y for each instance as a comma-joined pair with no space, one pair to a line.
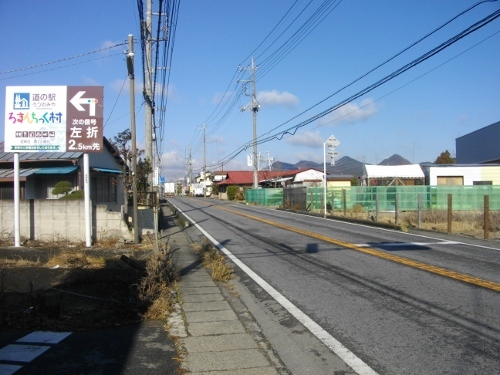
60,286
153,289
469,223
215,262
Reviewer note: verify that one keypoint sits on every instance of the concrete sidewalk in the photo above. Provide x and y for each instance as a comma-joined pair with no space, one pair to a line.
213,338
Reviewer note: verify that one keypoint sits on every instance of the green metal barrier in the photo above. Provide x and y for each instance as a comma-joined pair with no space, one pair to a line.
465,198
265,197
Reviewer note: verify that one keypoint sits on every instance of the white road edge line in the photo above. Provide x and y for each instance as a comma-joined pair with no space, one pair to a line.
360,367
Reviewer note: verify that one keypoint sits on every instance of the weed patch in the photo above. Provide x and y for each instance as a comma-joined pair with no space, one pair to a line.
215,262
68,288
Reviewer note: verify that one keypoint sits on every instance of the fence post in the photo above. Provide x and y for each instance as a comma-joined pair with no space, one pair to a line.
486,217
396,209
419,211
333,203
344,202
377,207
450,217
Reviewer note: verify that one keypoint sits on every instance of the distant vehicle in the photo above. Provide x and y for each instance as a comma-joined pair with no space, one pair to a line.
198,190
169,189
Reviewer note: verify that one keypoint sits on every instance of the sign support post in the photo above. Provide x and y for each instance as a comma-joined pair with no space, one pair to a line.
86,191
17,198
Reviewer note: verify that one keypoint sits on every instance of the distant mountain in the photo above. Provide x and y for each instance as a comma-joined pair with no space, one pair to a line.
304,164
345,165
394,160
280,166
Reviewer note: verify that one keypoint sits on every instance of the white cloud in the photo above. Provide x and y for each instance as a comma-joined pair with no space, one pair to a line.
351,113
220,97
172,160
109,43
123,86
172,93
276,99
307,139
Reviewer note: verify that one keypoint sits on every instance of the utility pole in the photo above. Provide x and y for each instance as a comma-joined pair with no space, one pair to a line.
204,153
254,107
269,161
149,110
203,171
130,70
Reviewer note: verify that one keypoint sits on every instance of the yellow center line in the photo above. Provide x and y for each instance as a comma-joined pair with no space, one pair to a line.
367,250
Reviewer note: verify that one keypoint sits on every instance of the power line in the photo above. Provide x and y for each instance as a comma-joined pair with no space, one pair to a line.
63,59
292,130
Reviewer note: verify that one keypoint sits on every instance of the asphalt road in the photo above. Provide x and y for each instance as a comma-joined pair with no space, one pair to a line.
383,301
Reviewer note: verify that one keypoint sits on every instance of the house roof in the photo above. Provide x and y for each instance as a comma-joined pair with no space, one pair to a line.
7,175
393,171
246,177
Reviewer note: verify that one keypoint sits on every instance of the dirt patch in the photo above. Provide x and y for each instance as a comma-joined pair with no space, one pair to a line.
77,289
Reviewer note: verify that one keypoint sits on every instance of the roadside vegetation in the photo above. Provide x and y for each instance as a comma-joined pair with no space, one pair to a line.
468,223
63,286
215,261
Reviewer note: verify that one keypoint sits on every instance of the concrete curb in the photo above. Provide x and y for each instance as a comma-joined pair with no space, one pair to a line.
207,325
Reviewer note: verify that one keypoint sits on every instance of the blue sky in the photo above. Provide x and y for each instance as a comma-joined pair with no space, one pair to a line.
418,114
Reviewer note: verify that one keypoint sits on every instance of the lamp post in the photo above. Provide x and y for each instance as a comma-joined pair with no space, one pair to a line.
331,143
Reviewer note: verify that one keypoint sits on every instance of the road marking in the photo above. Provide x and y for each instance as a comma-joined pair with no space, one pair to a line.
360,367
26,349
380,254
407,244
407,233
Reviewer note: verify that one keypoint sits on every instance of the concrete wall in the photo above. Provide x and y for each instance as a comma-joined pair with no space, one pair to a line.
53,220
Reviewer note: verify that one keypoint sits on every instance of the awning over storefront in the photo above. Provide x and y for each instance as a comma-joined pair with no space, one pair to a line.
56,170
107,170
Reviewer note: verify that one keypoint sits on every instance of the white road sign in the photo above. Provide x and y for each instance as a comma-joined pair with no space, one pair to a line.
53,118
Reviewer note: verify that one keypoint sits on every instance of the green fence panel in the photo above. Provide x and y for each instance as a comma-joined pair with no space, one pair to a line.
464,198
265,197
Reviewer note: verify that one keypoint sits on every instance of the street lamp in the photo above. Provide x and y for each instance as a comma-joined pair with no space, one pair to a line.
331,143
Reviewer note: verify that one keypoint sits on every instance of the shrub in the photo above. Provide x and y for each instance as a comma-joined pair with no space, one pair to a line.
357,209
62,187
75,195
231,192
240,195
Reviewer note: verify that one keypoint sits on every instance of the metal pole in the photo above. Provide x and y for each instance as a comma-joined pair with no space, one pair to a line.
450,215
86,192
324,179
255,108
17,196
486,217
130,68
204,162
396,209
419,213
